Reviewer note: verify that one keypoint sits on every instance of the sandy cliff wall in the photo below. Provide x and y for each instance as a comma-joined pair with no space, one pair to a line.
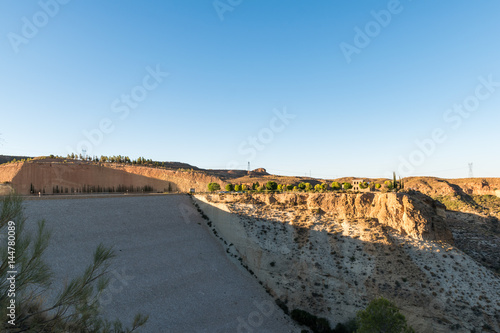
78,177
415,215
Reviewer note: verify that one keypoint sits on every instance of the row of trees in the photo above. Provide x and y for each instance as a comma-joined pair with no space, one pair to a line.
274,186
304,187
98,189
113,159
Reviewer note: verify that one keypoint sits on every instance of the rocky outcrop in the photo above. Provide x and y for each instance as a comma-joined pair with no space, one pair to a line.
414,214
330,254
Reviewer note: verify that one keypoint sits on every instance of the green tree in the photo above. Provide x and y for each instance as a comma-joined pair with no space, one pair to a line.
295,188
363,185
382,316
347,186
388,185
237,187
324,186
76,308
289,187
302,186
335,186
271,186
317,187
229,187
280,187
378,186
212,187
308,187
255,186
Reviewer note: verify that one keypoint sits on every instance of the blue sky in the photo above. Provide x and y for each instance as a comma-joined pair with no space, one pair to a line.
327,88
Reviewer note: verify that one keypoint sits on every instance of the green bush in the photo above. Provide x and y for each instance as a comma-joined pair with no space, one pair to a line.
212,187
271,186
382,316
229,187
237,188
378,186
336,186
347,186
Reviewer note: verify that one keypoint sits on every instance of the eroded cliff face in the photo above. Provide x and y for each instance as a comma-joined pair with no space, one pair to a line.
73,177
331,254
415,215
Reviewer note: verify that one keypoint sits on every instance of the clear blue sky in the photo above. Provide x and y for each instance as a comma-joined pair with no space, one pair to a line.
361,83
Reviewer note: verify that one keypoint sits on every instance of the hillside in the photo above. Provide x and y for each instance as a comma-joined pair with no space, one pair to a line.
330,254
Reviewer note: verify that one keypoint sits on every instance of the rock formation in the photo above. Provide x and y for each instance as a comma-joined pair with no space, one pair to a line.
330,254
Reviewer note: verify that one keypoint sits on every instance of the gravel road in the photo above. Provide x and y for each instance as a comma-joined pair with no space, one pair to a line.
168,264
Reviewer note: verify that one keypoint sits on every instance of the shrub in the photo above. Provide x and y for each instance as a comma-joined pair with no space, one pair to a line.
229,187
212,187
336,186
271,186
382,316
237,188
377,186
347,186
388,185
308,187
319,325
317,187
289,187
363,185
302,186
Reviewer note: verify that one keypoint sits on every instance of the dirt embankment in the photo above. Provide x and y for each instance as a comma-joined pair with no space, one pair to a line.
57,177
331,254
436,186
415,215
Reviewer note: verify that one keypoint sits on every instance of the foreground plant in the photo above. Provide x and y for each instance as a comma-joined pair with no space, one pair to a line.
75,309
382,316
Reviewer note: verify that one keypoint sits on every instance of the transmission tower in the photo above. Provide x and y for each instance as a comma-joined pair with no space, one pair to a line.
471,175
